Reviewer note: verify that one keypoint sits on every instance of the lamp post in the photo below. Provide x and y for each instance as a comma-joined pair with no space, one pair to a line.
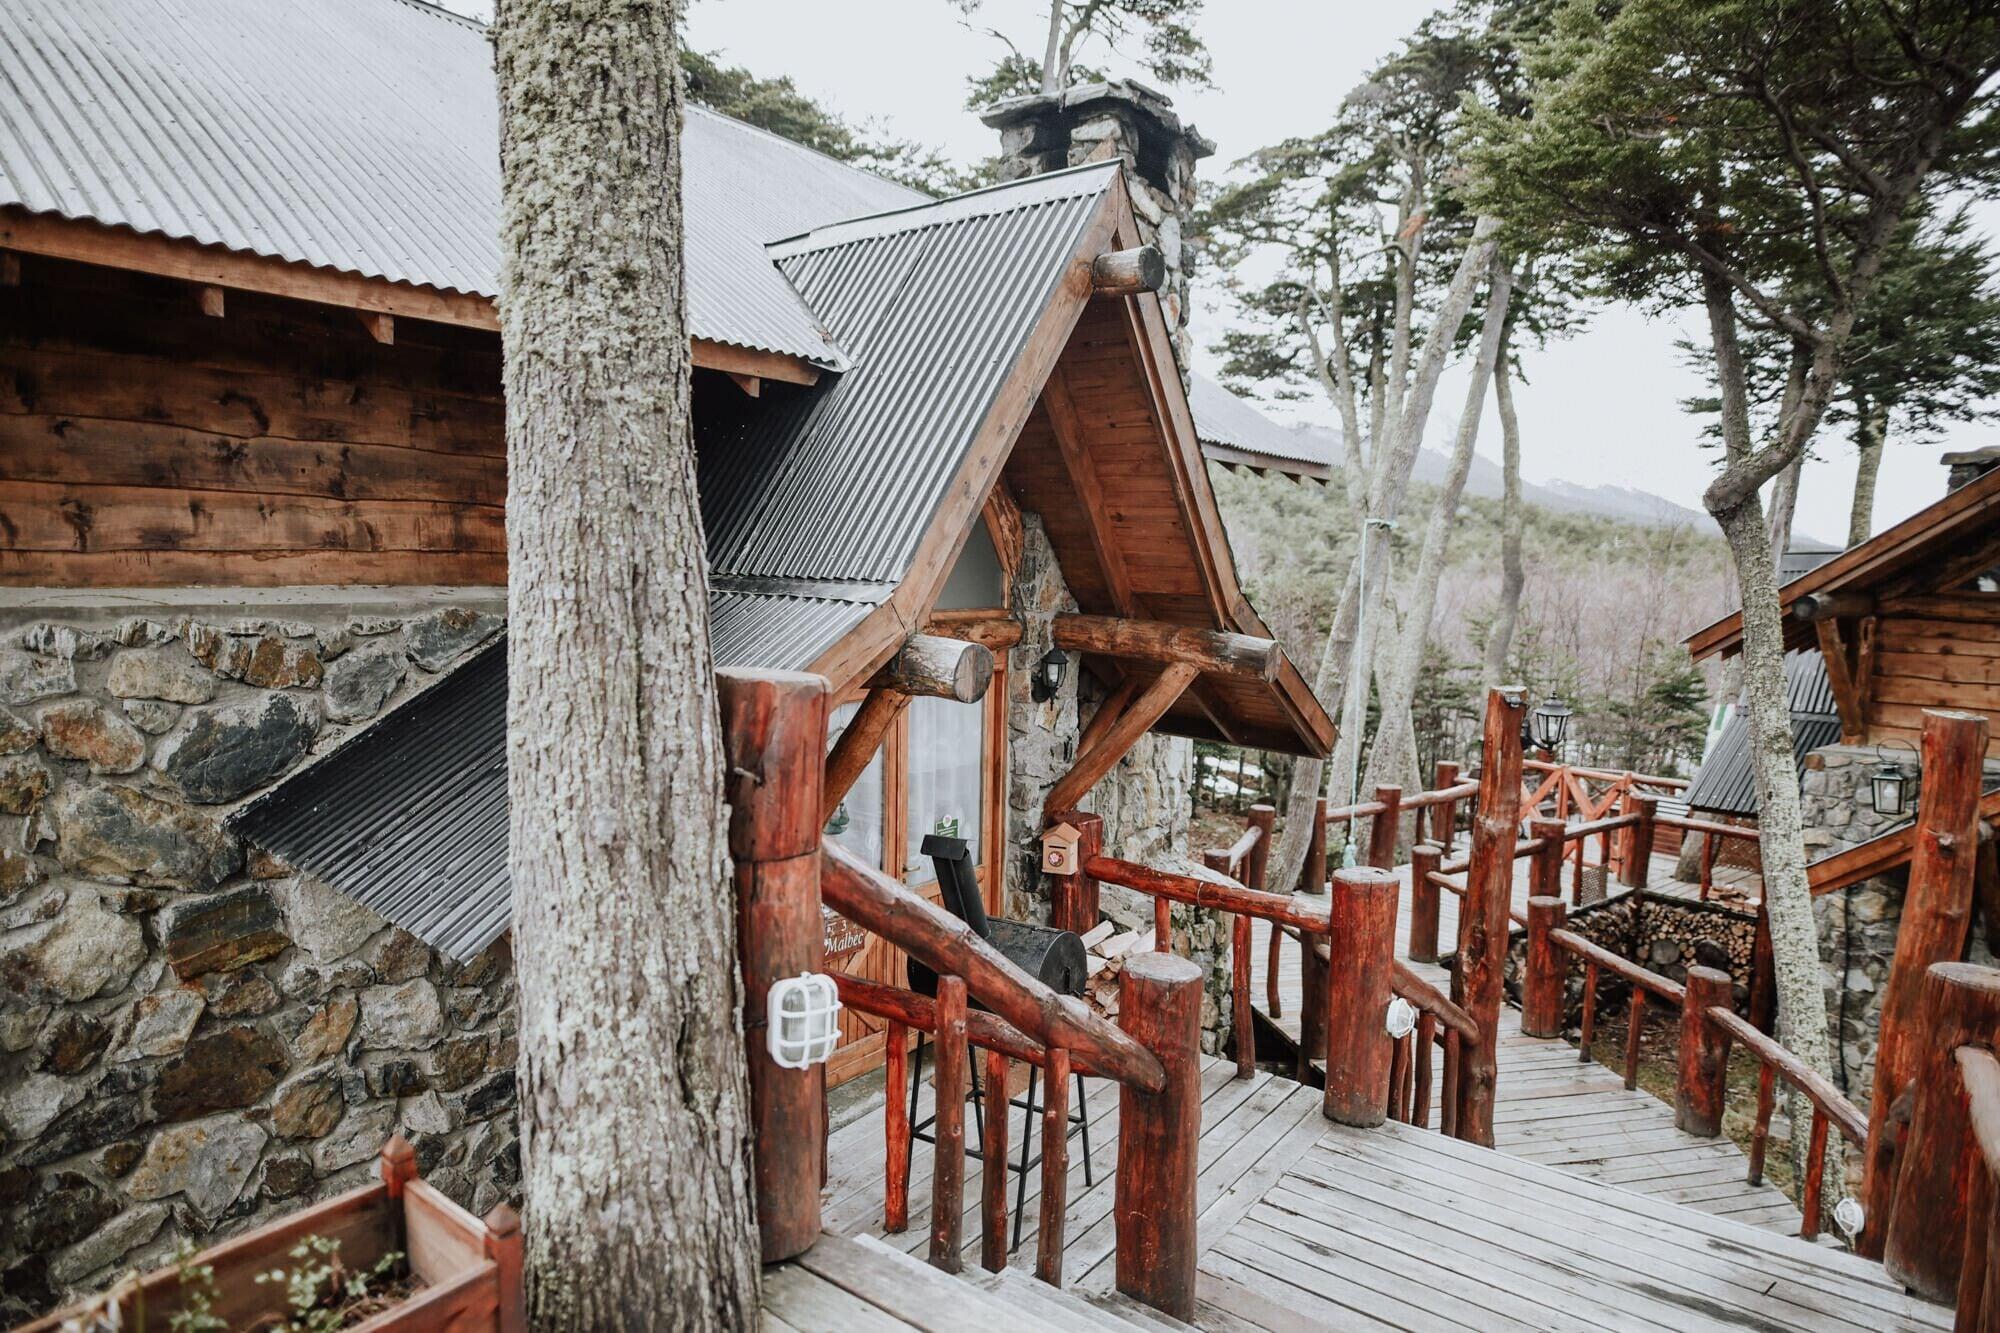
1546,727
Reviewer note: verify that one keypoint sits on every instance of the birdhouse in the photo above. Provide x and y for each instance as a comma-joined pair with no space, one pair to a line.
1059,855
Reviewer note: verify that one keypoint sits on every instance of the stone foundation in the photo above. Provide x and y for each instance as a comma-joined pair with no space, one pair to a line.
1145,800
194,1039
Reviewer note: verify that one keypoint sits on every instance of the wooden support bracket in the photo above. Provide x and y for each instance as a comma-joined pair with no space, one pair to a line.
213,303
1210,651
382,328
1119,737
938,668
1128,272
752,385
858,744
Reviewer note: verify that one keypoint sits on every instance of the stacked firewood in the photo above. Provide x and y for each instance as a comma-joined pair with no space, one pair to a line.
1106,948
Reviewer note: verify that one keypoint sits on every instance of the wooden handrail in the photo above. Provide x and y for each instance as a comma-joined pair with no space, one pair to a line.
1688,825
1306,915
1623,968
1440,796
984,1030
1346,814
1592,827
1244,845
1604,774
948,946
1981,1072
1845,1115
1433,1001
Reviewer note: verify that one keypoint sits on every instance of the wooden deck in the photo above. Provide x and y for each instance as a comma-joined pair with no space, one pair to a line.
1554,1110
1307,1224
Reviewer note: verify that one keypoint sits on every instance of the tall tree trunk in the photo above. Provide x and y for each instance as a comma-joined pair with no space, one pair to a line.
1350,644
1784,503
1873,427
1513,578
634,1099
1052,70
1389,758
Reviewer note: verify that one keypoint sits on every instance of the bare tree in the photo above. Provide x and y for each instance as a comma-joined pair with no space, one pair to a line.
634,1098
1513,576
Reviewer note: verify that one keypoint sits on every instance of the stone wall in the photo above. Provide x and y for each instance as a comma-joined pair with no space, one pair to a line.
194,1039
1857,926
1145,800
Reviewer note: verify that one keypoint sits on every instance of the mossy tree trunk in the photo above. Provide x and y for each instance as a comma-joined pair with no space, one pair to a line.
633,1091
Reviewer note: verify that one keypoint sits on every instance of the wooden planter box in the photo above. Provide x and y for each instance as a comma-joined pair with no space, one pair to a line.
470,1270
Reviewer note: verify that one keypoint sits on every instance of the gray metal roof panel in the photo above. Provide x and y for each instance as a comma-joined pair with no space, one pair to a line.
934,304
1222,417
361,136
1726,782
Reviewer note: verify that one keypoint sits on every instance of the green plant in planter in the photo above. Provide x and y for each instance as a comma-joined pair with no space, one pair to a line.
324,1295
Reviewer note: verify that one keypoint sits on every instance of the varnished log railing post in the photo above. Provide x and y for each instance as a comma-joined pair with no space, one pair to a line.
948,1128
1055,1168
1544,971
1073,897
1704,1057
993,1167
1638,866
896,1130
1159,1006
1937,910
1545,864
1239,970
1314,873
1444,815
503,1245
774,729
1485,912
1383,828
1263,818
1924,1231
1360,971
1424,860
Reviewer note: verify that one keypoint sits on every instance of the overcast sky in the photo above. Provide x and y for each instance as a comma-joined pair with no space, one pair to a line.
1602,408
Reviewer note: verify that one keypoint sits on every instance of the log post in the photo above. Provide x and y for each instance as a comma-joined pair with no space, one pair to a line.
774,728
1055,1167
1314,874
1444,815
993,1167
1263,818
896,1129
1937,912
1763,974
857,745
1383,828
948,1128
503,1246
1545,969
1312,1004
1239,992
1159,1006
1208,652
1361,945
1545,865
1638,866
1073,897
1485,912
1704,1063
1924,1230
1424,860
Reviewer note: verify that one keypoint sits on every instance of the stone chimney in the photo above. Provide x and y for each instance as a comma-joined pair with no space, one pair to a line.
1097,121
1970,465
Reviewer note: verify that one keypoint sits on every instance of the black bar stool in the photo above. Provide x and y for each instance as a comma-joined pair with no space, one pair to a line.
1055,957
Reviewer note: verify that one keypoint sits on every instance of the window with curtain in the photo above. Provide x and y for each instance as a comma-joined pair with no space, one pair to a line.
947,772
857,822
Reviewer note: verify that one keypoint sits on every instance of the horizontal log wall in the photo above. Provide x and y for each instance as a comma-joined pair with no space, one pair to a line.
145,442
1935,652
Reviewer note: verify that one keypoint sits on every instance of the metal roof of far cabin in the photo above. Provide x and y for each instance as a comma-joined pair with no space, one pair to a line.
362,136
1233,430
1726,782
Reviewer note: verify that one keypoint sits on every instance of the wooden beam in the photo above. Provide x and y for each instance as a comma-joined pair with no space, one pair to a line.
1007,528
997,633
213,304
938,668
1068,430
382,328
752,385
1847,697
1209,651
1815,607
213,265
857,745
1145,710
1107,713
10,269
1128,272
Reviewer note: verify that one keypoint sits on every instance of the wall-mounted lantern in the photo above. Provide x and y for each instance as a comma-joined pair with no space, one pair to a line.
1049,673
1889,789
1547,725
801,1015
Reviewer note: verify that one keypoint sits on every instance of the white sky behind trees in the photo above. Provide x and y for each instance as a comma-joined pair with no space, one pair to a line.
1602,408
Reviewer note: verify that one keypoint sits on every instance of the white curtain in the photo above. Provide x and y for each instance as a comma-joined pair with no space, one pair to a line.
947,770
857,824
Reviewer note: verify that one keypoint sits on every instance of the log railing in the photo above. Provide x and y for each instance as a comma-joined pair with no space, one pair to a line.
1713,835
1979,1270
1352,974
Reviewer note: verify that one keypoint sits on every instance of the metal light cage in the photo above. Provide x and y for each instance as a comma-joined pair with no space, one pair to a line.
802,1020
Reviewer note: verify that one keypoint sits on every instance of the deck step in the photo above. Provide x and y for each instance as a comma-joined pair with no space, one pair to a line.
1069,1309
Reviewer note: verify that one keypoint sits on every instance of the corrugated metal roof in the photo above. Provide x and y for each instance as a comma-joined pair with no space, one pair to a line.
409,815
1224,420
1726,783
839,482
361,136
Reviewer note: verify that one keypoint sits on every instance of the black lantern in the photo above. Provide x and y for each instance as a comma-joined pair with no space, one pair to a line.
1049,673
1890,789
1549,723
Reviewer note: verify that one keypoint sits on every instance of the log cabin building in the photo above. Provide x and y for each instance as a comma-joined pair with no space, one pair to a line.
1875,635
252,543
